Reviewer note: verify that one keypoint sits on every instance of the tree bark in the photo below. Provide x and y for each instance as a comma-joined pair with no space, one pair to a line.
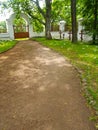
74,21
95,22
48,20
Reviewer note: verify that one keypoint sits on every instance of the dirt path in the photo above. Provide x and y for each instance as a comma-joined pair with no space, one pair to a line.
40,90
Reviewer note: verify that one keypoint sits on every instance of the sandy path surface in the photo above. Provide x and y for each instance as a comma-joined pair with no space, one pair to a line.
40,90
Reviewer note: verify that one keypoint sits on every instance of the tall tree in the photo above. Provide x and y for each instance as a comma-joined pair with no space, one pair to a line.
48,19
74,21
46,15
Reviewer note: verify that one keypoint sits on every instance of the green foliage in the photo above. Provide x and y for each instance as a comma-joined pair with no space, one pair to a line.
61,7
37,27
6,45
19,22
2,25
85,57
89,9
20,25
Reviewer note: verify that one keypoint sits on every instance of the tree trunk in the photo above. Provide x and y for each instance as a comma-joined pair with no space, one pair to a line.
95,23
48,20
74,23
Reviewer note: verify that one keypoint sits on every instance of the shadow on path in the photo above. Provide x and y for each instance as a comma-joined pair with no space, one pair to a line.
40,90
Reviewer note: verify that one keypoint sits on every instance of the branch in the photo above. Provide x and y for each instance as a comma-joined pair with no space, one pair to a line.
34,17
39,8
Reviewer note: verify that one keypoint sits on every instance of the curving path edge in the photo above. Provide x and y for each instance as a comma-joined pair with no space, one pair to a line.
40,90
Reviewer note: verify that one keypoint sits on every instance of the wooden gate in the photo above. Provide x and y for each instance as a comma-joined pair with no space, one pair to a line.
21,31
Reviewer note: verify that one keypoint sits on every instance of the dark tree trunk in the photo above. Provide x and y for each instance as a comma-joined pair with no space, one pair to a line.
46,15
95,22
74,21
48,19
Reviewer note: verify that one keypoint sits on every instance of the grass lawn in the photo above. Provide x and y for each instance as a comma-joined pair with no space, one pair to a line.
85,57
6,45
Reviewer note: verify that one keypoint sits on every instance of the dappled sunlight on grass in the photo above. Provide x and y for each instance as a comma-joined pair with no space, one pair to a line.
6,45
89,58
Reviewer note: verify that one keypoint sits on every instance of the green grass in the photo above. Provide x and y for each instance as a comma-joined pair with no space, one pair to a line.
85,57
22,39
6,45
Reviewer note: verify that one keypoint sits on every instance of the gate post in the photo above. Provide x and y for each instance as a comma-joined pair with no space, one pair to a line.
30,30
10,29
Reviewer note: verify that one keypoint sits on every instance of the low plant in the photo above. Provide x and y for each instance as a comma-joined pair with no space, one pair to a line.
6,45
